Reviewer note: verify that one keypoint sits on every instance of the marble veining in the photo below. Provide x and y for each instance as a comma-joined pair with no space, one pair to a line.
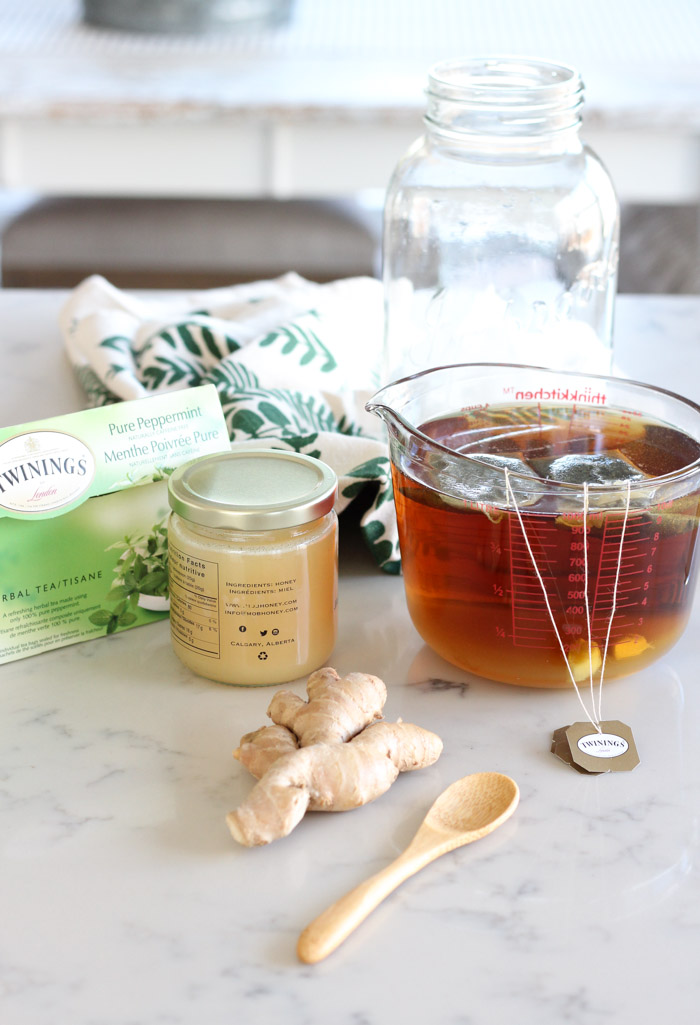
125,901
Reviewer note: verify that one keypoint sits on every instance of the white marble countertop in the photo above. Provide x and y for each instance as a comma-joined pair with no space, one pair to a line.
327,103
126,902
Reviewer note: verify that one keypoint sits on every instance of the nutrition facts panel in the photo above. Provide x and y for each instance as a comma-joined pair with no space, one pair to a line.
194,603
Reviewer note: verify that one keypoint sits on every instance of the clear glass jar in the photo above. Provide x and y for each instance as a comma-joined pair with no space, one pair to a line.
501,228
253,565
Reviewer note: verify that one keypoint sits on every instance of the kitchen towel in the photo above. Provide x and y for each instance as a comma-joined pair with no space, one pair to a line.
293,361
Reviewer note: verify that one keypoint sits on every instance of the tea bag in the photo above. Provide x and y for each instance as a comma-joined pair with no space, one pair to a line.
597,469
475,481
660,450
590,468
486,486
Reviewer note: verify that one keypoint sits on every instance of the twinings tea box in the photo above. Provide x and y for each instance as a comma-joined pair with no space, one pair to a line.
83,516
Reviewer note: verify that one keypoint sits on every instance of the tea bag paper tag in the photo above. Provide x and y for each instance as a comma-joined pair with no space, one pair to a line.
586,749
560,747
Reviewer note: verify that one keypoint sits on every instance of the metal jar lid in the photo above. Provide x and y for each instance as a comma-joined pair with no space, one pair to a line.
252,490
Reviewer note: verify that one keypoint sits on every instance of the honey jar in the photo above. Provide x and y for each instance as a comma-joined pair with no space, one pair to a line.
253,564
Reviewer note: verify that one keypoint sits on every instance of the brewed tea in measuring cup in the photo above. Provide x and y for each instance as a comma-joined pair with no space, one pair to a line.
547,520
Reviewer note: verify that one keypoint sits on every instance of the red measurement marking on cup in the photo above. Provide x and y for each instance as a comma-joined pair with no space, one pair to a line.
636,564
562,567
531,624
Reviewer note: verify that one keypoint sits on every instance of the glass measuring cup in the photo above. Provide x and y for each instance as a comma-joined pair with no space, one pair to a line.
547,520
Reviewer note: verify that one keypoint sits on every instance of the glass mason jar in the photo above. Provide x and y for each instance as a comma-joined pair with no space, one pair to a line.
500,228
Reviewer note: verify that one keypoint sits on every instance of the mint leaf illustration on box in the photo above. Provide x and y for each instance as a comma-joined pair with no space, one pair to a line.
141,578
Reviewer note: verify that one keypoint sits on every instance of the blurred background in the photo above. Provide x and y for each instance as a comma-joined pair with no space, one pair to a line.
193,143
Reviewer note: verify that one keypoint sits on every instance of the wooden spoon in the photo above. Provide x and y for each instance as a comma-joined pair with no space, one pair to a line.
469,809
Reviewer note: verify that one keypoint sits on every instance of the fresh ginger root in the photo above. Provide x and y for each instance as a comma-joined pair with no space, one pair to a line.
581,662
330,777
324,754
337,708
258,750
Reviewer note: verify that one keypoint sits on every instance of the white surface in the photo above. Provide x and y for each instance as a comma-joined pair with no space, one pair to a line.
125,901
327,104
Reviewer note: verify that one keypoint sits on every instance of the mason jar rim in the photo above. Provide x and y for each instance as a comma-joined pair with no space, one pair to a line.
488,78
503,97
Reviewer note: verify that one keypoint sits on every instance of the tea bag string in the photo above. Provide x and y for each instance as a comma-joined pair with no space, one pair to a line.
628,502
510,495
593,719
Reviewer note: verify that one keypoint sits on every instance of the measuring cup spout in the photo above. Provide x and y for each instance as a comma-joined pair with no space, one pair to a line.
380,404
385,413
387,403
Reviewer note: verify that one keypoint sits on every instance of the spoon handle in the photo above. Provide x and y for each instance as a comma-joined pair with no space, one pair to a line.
325,933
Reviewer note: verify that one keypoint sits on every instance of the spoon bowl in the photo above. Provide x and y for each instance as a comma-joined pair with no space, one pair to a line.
468,809
479,802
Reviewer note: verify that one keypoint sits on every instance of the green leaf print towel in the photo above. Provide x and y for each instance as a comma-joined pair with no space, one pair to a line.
294,363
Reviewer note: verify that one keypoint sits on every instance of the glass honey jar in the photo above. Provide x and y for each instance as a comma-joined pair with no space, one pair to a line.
253,563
